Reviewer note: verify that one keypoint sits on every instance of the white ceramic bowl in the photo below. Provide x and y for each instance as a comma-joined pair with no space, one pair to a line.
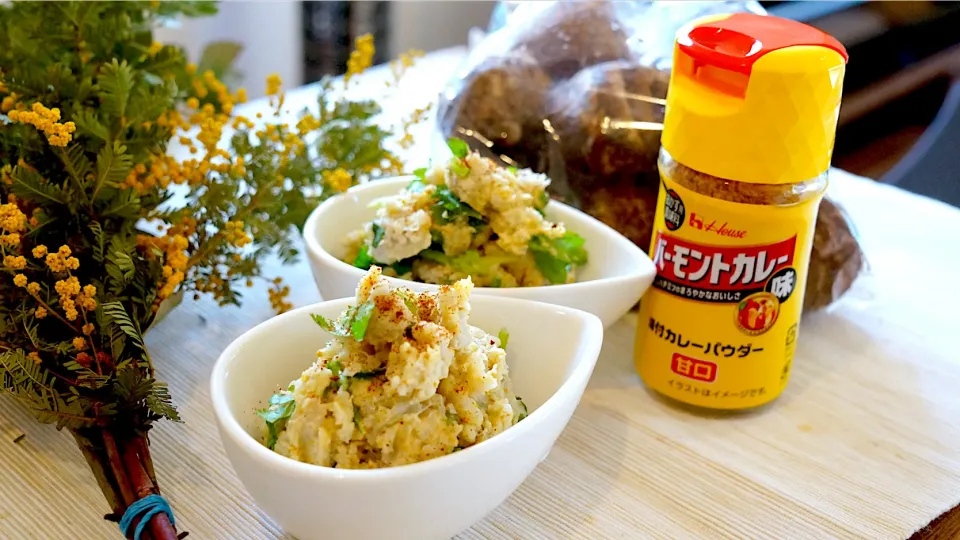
551,353
614,279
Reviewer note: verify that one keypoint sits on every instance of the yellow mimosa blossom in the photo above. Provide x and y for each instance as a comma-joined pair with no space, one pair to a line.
361,57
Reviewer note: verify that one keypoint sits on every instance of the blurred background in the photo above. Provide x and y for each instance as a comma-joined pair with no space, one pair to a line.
899,124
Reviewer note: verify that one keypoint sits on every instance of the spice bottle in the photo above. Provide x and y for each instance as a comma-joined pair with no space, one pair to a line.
747,139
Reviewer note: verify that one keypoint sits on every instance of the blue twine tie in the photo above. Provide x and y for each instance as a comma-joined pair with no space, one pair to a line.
149,506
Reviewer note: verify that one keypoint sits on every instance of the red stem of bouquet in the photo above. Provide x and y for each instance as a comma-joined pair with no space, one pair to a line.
124,470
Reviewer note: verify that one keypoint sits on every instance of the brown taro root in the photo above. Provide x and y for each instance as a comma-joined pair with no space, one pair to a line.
608,121
627,207
835,261
569,36
501,102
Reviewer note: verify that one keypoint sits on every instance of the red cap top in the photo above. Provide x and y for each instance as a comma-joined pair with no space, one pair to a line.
736,42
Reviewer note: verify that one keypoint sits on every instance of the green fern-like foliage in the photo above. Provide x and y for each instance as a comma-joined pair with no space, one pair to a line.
90,104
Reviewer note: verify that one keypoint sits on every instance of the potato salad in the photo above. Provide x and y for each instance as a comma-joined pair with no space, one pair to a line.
472,218
404,379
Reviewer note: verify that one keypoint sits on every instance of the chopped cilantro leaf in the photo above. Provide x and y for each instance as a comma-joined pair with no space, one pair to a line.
503,336
469,262
369,374
448,207
421,173
357,420
352,323
403,267
335,367
458,147
513,170
496,282
555,258
276,415
435,256
459,167
325,323
523,414
361,319
363,259
378,233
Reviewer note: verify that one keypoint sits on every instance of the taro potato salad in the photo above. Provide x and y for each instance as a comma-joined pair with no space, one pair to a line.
404,379
469,218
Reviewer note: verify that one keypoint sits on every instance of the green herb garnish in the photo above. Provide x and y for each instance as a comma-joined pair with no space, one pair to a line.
448,207
555,258
378,233
369,374
352,323
496,282
513,170
276,415
503,336
458,147
356,420
469,262
523,414
335,366
363,259
403,267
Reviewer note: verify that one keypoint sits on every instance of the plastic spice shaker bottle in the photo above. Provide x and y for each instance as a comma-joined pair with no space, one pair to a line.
747,139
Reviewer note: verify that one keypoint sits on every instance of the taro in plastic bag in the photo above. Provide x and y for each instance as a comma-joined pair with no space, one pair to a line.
576,90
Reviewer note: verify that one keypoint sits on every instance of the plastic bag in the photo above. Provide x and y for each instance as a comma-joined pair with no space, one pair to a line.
576,90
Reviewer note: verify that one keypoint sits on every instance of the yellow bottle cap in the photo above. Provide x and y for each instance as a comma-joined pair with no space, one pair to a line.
754,98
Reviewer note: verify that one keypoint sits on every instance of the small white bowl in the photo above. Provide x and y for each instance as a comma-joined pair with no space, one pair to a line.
615,277
551,353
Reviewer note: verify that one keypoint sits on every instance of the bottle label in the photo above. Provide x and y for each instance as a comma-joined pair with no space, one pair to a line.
718,327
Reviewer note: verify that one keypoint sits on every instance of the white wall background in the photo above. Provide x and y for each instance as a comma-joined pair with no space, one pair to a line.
432,25
271,33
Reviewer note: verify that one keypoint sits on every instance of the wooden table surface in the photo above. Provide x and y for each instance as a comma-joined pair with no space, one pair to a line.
864,443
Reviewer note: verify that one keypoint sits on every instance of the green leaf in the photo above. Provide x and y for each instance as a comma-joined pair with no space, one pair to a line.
503,336
378,233
556,257
88,123
421,173
551,267
116,83
352,323
369,374
403,267
458,147
470,262
448,208
335,367
113,164
361,320
363,259
29,185
116,314
513,170
460,168
98,239
219,57
76,163
276,415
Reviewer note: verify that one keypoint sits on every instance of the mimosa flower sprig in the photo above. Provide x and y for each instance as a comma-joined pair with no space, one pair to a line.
91,241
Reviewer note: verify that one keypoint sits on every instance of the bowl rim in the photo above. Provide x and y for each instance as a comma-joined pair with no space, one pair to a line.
632,250
230,425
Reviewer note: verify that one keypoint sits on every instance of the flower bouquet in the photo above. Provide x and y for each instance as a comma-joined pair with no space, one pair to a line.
94,245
